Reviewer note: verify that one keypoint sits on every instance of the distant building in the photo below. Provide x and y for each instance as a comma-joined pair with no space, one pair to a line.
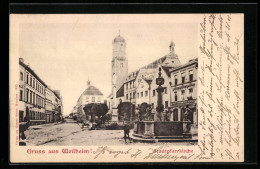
90,95
75,112
58,107
50,109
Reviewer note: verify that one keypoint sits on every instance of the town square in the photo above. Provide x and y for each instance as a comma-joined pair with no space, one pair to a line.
126,104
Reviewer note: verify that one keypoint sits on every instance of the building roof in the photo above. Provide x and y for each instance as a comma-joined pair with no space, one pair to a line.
147,74
155,63
120,91
169,57
132,76
148,81
92,90
192,61
119,39
57,93
167,70
31,71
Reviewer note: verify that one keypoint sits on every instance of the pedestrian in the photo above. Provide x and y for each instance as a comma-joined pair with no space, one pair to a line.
126,131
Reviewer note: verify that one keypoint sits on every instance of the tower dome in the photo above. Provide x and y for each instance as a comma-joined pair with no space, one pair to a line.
119,39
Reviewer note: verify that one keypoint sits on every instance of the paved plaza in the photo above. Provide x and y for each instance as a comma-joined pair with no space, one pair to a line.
71,133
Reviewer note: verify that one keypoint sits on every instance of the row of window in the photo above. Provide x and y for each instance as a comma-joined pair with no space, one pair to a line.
183,75
145,94
142,94
33,115
130,85
36,115
93,99
32,98
130,96
165,91
30,80
183,94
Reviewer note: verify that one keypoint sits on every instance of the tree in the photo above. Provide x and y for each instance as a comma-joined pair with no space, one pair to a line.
104,110
96,109
142,111
124,111
106,117
87,109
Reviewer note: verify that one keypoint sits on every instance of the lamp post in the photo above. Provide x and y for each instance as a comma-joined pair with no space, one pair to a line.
160,89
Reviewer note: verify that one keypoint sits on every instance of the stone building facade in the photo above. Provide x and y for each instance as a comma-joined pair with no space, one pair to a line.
22,90
140,86
184,91
34,104
50,111
58,107
32,94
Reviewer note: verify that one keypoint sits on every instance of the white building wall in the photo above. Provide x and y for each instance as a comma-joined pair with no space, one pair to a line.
21,93
179,74
142,87
49,98
86,99
154,86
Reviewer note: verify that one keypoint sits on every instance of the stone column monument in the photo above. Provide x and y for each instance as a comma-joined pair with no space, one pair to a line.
160,89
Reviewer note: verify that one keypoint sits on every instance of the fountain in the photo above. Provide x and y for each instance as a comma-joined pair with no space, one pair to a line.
148,130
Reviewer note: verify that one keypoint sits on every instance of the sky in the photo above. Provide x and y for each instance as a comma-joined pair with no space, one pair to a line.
67,50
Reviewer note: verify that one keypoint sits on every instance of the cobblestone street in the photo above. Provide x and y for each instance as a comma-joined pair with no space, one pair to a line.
71,133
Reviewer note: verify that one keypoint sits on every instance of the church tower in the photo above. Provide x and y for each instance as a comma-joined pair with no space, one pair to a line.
119,71
172,59
119,62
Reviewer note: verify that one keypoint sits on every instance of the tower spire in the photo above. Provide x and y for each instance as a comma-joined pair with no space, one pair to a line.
88,82
172,45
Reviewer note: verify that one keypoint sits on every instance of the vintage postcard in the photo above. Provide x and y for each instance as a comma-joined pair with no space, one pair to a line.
126,88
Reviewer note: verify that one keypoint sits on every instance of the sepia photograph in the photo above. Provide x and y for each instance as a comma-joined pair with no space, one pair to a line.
127,87
108,83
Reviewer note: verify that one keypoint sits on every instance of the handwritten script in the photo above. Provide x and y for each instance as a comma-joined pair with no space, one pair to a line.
220,88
